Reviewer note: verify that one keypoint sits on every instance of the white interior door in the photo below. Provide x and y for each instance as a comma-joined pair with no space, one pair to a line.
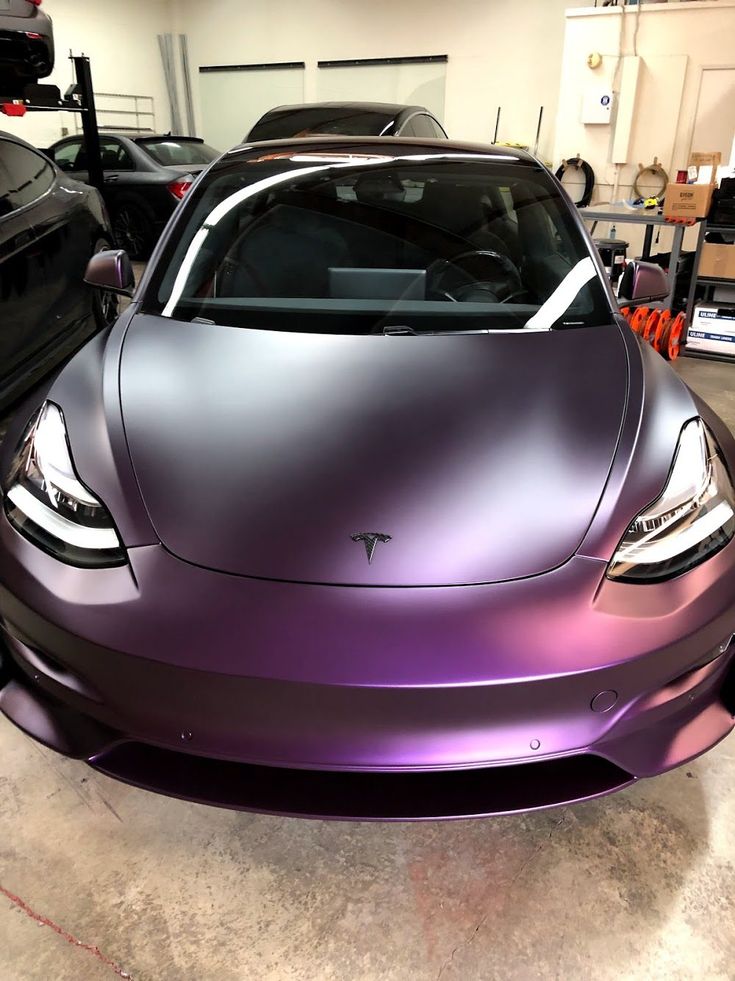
233,101
714,126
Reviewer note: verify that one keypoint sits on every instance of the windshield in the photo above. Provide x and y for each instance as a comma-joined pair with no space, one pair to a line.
338,120
355,244
175,153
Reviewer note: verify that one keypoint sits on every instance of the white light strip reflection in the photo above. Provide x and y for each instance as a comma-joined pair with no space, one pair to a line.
563,296
60,527
226,206
222,210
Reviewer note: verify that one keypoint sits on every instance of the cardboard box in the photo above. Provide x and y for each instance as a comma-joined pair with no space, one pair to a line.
717,260
693,200
712,330
712,160
688,200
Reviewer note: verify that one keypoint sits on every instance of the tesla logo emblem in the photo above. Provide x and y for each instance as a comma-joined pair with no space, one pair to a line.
370,539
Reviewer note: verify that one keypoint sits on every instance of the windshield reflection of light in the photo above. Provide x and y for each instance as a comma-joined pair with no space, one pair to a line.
544,318
214,217
556,305
231,202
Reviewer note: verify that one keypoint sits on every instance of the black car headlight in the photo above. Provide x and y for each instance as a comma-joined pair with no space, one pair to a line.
692,519
48,504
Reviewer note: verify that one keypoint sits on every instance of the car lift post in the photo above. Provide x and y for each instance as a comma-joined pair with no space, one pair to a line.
89,121
47,98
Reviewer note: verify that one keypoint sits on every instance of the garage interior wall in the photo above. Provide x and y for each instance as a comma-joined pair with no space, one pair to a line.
121,40
231,102
675,44
501,52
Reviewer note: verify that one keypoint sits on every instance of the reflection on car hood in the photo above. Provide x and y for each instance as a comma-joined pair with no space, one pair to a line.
261,453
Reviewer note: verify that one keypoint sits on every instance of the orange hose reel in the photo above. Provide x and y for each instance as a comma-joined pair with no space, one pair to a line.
639,318
673,339
662,328
649,328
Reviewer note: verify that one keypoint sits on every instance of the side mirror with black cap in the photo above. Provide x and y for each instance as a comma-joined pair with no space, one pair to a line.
111,270
643,281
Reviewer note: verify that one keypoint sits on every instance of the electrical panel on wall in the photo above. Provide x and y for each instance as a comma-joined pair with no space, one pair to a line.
597,103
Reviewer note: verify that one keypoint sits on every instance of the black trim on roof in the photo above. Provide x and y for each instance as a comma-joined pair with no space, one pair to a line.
391,146
168,136
407,60
263,66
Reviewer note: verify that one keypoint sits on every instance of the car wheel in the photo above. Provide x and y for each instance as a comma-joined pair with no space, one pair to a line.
133,230
105,305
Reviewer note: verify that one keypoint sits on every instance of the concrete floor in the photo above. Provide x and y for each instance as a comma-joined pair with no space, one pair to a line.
98,879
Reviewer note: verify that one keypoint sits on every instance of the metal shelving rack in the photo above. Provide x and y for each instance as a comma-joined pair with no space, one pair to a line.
139,110
709,282
618,214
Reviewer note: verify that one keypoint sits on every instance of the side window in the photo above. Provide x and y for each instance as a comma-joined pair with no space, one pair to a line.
30,174
408,129
422,126
115,156
436,129
65,156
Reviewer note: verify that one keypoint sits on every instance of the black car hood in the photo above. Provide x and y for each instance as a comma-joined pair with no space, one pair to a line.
260,453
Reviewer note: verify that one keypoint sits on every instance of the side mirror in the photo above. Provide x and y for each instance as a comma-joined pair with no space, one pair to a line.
111,270
643,281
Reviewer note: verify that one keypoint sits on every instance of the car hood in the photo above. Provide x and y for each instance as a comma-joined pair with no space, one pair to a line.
261,453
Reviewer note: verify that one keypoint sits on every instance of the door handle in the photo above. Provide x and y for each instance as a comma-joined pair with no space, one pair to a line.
111,178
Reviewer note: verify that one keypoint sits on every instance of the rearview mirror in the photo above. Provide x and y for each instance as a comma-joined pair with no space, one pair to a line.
111,270
643,281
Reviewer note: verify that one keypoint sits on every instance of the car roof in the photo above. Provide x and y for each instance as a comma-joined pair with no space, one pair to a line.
389,108
134,137
389,146
17,139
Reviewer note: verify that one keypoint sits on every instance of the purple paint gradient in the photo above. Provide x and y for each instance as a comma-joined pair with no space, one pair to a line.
249,655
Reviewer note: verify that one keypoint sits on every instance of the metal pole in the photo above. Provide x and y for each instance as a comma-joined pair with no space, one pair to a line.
89,121
674,264
184,48
693,281
647,242
538,131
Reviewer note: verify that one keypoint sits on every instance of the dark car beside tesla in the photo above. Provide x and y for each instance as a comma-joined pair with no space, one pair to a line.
370,505
346,119
49,228
145,177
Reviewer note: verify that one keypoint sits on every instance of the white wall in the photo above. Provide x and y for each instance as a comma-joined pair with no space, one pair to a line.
120,39
675,42
501,52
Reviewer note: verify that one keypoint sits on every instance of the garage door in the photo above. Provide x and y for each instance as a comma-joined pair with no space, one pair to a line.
233,98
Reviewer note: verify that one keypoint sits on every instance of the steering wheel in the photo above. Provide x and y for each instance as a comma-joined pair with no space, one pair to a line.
503,292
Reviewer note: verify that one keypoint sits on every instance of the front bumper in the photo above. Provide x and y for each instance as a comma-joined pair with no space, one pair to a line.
366,703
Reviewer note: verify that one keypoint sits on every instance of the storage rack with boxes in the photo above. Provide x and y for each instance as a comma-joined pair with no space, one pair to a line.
711,324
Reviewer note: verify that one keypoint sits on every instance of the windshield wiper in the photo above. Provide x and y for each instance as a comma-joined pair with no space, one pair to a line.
398,330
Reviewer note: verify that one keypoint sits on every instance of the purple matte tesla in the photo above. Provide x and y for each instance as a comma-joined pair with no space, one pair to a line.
370,505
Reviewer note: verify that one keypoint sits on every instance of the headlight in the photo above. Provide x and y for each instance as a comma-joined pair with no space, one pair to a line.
690,521
49,505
